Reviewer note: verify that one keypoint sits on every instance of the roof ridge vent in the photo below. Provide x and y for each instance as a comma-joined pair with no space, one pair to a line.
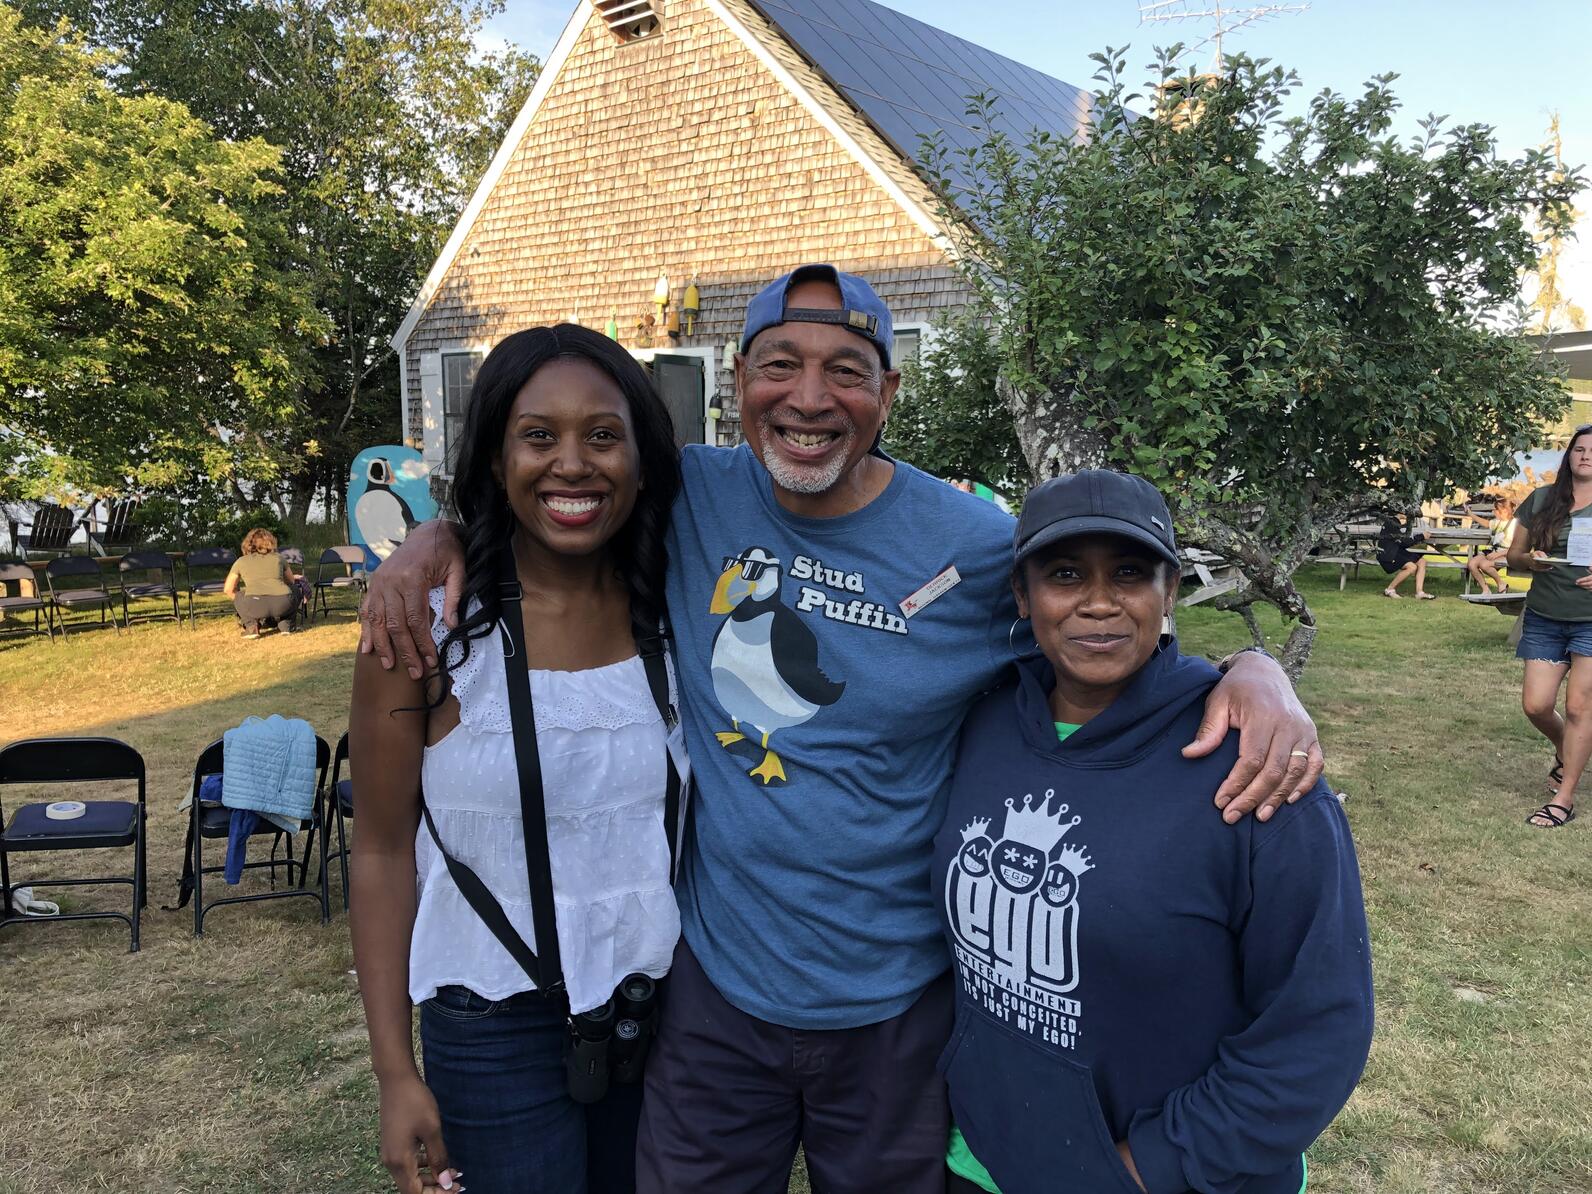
632,20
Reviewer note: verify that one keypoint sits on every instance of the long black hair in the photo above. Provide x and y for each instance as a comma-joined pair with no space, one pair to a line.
1550,515
488,522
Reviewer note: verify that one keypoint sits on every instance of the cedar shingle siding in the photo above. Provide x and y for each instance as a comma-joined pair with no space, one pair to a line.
681,153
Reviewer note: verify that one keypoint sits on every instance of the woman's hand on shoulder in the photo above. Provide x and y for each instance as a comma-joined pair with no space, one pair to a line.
411,1138
395,618
1279,754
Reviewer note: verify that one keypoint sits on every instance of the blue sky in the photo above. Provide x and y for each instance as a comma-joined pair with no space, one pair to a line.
1508,64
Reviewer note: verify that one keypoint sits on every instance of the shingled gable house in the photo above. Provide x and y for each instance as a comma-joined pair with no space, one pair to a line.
709,142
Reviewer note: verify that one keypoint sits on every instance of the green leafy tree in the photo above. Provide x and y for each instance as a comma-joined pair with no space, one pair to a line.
146,322
949,418
1280,322
386,113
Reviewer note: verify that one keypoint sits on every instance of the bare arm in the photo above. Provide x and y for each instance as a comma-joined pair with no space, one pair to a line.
1521,558
385,749
395,619
1279,755
230,587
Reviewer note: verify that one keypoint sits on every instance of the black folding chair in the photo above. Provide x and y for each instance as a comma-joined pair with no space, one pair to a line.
26,598
160,581
68,568
103,824
208,558
351,560
341,809
208,822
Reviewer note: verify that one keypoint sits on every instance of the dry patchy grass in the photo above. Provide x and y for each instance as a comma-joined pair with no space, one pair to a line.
237,1063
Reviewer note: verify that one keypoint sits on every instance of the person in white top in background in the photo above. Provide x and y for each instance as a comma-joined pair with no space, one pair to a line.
568,454
1484,565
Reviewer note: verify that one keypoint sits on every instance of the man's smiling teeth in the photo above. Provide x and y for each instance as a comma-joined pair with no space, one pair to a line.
808,439
572,506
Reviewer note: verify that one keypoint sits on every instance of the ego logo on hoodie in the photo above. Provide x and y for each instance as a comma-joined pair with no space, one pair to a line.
1012,903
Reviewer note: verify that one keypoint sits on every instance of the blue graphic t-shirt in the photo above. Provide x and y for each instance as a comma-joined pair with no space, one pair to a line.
826,666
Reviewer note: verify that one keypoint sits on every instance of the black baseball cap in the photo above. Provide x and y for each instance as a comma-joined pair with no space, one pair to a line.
1094,502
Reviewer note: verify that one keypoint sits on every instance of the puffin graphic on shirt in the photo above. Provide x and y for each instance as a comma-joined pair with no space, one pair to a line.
1012,903
765,667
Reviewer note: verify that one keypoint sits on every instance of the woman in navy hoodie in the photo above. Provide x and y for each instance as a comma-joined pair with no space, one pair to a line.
1148,998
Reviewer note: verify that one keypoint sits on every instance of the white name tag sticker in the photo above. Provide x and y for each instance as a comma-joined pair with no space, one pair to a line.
935,589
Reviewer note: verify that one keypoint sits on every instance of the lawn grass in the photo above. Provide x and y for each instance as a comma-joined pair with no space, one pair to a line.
237,1063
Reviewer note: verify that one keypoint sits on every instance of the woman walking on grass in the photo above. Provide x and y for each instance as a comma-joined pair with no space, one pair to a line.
565,478
1556,630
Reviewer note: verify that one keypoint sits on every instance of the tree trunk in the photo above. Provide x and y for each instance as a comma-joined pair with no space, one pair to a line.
1268,576
1247,612
301,492
1296,651
1051,433
1279,589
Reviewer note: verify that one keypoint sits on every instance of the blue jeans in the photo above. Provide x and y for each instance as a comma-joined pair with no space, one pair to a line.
497,1072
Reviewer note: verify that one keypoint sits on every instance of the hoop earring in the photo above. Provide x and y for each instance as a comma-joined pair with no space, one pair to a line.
1011,643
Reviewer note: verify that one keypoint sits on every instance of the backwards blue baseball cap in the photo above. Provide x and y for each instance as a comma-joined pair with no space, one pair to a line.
861,309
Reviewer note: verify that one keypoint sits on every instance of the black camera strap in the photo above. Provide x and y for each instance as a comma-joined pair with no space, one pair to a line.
544,968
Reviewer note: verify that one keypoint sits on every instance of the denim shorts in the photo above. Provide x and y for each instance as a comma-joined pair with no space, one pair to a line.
1551,640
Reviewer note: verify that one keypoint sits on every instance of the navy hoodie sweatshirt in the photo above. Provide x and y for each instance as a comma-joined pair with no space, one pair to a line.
1128,965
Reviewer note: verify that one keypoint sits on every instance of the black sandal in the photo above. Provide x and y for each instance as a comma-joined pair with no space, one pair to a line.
1550,813
1556,776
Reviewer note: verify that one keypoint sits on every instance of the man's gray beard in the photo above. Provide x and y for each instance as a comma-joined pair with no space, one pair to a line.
807,479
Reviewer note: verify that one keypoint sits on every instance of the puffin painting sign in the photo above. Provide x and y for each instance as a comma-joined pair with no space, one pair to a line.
389,494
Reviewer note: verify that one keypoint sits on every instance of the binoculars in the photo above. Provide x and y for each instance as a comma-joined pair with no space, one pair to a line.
610,1041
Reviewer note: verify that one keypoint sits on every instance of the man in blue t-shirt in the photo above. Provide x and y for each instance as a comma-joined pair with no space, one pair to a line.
835,613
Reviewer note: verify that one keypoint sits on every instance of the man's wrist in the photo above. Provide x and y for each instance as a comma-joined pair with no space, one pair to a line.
1226,664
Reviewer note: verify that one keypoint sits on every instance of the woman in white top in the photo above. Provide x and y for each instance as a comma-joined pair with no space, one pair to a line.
568,457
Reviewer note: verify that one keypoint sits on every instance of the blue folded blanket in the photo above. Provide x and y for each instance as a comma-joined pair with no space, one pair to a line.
268,767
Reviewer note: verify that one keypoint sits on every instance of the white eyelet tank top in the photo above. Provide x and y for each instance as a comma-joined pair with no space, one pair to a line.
602,746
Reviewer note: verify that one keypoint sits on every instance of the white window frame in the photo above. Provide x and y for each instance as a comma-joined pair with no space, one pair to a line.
927,335
434,445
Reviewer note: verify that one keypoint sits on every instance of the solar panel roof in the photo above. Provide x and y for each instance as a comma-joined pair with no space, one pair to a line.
910,79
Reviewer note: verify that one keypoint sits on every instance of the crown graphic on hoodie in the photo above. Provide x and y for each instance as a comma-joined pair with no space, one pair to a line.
1034,826
976,828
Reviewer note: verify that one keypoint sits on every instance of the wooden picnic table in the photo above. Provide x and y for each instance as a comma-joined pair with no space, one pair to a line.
1438,543
1214,573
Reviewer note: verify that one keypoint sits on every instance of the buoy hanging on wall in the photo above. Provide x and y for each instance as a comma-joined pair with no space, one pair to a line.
692,304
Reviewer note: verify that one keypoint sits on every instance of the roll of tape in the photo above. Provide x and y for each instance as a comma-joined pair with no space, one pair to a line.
65,810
